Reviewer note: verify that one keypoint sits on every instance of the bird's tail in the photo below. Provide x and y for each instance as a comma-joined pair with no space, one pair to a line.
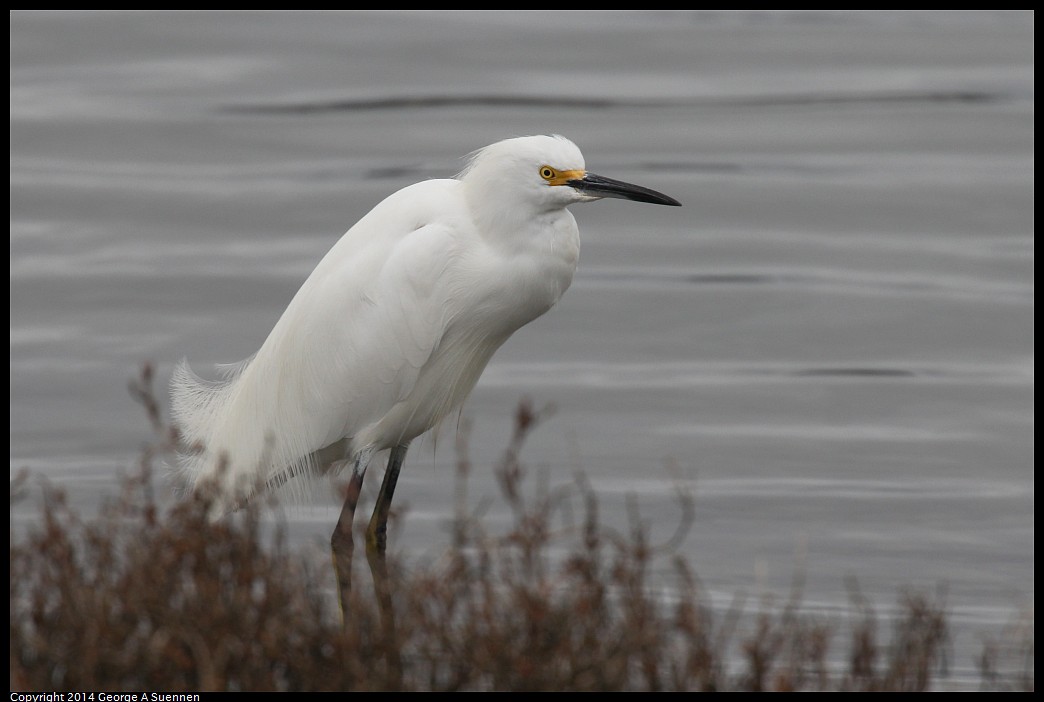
230,447
196,405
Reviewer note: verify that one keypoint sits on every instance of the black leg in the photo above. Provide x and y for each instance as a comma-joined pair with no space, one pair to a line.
377,533
341,543
376,544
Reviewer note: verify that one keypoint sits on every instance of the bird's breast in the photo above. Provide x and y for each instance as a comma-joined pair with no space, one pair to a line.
532,275
488,291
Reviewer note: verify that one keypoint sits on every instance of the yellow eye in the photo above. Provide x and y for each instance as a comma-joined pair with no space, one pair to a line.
547,172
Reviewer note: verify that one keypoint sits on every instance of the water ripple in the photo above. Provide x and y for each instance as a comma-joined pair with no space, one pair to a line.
425,102
682,373
913,284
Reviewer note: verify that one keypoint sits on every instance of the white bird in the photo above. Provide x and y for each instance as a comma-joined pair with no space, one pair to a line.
392,329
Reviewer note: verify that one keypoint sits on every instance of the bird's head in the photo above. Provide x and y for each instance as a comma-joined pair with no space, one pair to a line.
546,172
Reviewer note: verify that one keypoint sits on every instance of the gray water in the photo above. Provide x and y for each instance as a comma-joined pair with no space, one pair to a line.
830,344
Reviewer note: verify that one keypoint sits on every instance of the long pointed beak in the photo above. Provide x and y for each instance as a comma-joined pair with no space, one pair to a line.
594,185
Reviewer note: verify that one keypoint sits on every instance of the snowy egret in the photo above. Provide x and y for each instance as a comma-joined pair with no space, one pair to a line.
392,329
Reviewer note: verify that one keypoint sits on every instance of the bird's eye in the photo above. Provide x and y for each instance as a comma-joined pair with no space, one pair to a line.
547,172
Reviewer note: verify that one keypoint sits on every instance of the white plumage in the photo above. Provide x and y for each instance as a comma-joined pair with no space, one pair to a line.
392,329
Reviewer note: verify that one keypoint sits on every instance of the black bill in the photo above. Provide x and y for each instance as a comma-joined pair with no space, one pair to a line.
600,186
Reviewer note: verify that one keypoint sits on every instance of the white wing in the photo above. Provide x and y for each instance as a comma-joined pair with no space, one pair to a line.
348,350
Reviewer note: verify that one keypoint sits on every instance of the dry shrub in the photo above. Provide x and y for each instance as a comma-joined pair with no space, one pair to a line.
151,598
